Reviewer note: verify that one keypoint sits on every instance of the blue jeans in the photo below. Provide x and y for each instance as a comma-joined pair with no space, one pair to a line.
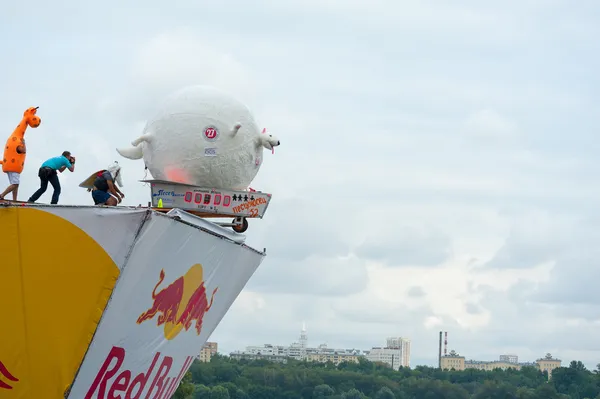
100,197
47,175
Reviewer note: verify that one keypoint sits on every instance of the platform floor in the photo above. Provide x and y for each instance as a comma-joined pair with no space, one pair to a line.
162,210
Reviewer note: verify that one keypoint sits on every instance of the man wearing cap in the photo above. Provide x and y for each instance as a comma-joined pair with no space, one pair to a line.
47,173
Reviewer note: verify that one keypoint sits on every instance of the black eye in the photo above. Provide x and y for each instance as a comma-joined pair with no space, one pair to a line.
270,135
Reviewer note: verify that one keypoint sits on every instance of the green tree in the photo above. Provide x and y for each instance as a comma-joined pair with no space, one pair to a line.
546,391
322,391
385,393
576,381
262,392
238,394
219,392
185,390
202,392
496,390
353,394
526,393
261,379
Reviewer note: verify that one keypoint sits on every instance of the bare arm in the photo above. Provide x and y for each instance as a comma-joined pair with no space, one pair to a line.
62,169
111,189
72,168
118,191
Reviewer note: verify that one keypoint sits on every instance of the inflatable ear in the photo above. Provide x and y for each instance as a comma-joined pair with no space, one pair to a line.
131,152
235,129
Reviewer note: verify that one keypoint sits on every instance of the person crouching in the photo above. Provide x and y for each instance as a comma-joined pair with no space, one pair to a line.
105,190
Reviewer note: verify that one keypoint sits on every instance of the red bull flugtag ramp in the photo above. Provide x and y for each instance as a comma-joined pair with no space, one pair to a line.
101,302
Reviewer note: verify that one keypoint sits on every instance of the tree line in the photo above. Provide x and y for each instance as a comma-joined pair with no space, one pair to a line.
226,378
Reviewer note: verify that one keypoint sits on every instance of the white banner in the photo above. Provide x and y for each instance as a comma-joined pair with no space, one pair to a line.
114,228
174,288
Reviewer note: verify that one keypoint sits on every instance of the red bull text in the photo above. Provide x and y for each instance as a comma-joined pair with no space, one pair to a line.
5,374
167,302
109,384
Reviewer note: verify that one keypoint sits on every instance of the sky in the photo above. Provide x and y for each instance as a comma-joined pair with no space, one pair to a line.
443,154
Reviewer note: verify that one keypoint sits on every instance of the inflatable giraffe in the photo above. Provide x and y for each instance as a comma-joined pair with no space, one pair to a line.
14,158
15,151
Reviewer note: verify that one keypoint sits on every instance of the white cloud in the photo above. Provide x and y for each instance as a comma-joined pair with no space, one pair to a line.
488,124
407,246
337,276
173,59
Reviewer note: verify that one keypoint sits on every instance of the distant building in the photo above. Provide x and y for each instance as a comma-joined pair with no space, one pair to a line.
404,345
509,359
299,351
452,361
333,356
268,349
548,363
456,362
258,356
207,351
396,353
491,365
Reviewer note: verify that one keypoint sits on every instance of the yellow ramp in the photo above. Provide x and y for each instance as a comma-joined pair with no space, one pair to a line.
55,283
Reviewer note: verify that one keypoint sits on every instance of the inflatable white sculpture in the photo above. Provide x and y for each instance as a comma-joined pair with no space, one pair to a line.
205,137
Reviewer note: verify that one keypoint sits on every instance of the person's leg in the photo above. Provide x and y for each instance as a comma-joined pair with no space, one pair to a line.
53,179
111,201
8,190
100,197
14,179
41,190
12,184
15,192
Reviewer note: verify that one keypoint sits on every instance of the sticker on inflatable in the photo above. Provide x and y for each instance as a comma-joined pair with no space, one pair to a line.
210,152
211,133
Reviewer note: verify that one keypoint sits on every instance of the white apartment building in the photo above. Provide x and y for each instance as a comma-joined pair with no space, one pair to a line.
322,353
509,359
396,353
299,351
267,349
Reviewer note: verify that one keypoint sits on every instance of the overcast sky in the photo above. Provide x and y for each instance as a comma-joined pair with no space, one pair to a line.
438,167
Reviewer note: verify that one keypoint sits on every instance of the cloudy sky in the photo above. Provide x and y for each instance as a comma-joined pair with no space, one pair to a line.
444,157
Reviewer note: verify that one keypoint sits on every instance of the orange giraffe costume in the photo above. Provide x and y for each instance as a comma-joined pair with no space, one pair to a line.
13,160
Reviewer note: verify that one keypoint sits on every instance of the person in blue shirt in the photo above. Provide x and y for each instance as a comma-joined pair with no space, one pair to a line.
47,173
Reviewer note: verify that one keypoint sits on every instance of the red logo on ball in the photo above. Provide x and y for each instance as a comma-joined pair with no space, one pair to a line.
211,133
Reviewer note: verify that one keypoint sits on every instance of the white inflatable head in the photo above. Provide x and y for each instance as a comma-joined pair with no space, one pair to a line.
205,137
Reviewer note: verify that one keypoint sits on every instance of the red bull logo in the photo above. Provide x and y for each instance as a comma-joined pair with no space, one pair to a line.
180,303
6,375
114,380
